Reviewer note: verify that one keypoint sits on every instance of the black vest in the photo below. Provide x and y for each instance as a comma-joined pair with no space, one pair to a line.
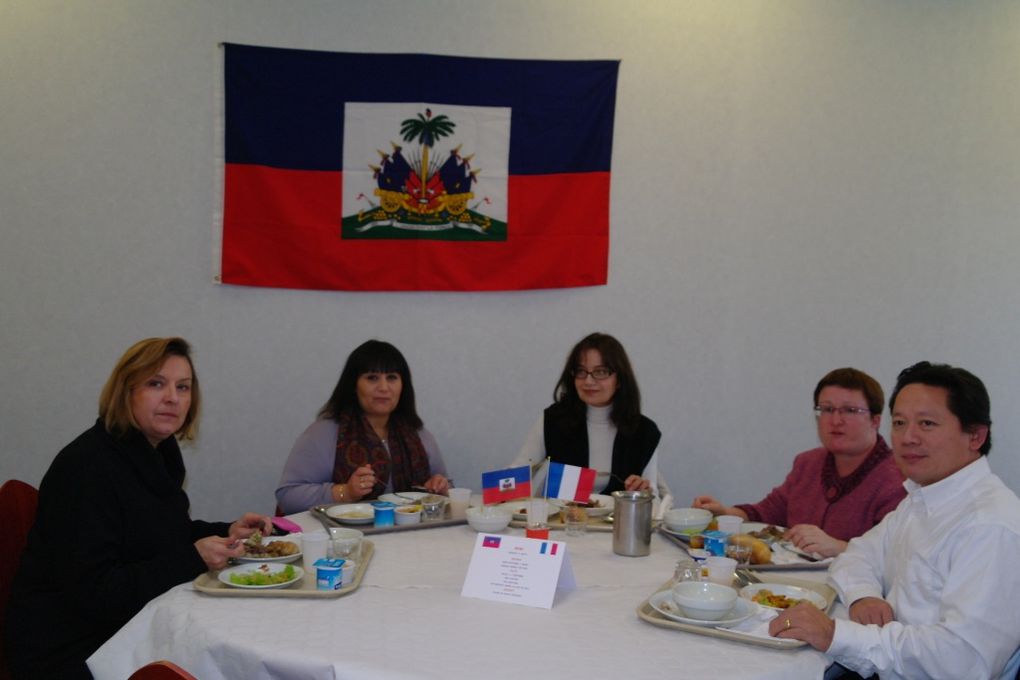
566,441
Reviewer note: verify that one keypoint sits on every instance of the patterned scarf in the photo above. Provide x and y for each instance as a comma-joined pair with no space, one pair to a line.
836,487
357,444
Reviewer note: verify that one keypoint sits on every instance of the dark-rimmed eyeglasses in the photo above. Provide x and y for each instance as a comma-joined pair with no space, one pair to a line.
599,373
843,411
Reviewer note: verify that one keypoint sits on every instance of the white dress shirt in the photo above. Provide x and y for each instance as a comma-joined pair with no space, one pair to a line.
948,562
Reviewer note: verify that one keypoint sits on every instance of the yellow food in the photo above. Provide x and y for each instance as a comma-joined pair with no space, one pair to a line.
356,515
761,553
770,599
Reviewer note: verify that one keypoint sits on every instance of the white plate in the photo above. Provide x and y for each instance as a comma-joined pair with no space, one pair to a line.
748,593
748,527
605,504
272,568
342,513
287,558
517,509
404,498
663,603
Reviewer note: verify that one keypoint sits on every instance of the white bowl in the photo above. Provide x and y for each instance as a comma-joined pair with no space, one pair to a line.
407,514
704,600
690,520
488,519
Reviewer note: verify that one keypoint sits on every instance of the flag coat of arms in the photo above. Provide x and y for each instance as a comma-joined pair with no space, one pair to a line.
505,485
570,482
349,171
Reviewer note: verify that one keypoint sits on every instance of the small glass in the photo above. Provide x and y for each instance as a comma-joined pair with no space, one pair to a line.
740,553
432,508
687,570
344,543
575,519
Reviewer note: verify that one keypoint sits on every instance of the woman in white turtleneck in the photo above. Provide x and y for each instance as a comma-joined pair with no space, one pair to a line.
596,421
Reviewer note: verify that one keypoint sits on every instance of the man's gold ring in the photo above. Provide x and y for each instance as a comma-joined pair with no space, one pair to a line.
788,624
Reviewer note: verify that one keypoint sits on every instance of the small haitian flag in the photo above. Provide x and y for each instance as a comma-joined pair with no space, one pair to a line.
491,542
570,482
350,171
506,485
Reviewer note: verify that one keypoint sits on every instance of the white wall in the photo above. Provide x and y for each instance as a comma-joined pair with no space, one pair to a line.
796,186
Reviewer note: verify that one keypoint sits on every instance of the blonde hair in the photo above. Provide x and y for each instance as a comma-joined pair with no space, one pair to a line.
141,361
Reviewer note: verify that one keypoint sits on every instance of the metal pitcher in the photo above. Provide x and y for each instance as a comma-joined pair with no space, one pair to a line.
632,523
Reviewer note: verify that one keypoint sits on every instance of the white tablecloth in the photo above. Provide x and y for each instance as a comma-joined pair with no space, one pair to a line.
409,621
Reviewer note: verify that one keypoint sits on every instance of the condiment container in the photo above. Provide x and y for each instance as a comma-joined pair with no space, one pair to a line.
715,542
383,513
632,523
329,574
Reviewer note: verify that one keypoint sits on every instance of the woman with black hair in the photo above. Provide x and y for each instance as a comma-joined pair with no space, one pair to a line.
596,421
368,439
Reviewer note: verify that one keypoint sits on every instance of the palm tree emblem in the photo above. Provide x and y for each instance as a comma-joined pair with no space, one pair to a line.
427,130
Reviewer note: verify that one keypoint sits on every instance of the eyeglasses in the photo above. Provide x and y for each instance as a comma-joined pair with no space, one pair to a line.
843,411
599,373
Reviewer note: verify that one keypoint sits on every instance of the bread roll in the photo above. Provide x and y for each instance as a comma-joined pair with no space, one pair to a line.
761,553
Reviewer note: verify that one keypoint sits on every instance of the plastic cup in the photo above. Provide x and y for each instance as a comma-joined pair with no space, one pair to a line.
314,546
729,524
345,543
384,513
460,498
432,508
575,520
720,569
538,511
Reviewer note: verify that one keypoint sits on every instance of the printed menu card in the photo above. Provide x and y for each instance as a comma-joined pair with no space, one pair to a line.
518,570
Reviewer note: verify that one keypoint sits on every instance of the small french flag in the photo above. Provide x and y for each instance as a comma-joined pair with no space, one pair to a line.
547,548
570,482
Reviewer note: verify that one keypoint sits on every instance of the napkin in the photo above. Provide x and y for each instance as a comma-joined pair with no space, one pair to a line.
286,526
757,625
783,555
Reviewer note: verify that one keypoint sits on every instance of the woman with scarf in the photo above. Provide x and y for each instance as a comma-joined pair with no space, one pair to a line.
842,489
368,439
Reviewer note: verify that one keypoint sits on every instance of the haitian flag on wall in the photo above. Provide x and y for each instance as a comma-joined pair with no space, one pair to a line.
415,172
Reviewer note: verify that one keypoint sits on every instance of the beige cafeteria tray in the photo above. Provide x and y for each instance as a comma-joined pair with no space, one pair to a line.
319,512
210,584
594,524
646,612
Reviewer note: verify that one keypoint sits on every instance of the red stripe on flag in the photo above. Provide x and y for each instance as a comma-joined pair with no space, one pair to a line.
281,228
585,483
553,551
494,495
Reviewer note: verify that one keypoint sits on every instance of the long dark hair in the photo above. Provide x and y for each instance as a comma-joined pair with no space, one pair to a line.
626,412
374,356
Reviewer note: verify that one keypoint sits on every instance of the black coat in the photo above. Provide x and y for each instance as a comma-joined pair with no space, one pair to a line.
112,532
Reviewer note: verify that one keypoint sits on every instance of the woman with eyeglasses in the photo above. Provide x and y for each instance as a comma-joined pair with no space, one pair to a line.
368,438
841,489
596,421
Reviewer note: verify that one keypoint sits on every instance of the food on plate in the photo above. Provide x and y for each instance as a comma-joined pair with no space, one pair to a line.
769,533
263,576
408,509
357,515
769,599
697,541
761,553
254,547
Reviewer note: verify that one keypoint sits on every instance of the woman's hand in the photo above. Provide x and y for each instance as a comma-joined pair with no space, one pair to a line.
811,539
249,524
716,508
636,483
216,550
437,484
360,483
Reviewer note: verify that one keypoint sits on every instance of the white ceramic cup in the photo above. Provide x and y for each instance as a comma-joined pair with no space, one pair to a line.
720,569
314,545
729,524
460,498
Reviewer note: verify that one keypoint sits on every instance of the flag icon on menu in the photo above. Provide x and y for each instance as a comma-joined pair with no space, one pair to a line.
506,485
547,549
570,482
490,542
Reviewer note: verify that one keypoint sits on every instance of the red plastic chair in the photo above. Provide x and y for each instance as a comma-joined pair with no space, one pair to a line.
161,670
18,503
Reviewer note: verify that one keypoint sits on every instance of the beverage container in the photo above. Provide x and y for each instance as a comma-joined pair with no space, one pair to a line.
459,500
384,513
632,523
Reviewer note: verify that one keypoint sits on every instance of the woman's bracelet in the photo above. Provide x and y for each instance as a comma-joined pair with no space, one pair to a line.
341,493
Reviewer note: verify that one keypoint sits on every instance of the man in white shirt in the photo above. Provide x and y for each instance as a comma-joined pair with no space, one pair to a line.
933,590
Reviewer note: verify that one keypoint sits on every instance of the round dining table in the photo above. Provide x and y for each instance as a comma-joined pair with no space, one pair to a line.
408,621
